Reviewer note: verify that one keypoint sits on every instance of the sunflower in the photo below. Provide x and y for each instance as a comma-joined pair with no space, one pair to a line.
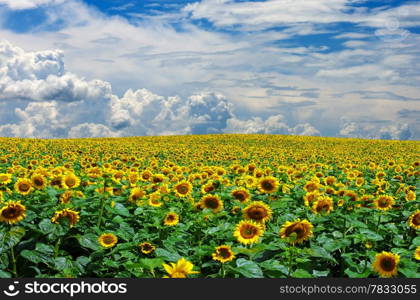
257,211
71,215
12,212
171,219
70,180
248,232
38,181
297,231
136,194
242,195
107,240
416,254
183,189
410,196
5,178
359,181
323,205
384,202
268,185
181,269
330,180
23,186
223,254
66,197
386,264
154,200
414,220
147,247
310,198
212,202
208,187
311,186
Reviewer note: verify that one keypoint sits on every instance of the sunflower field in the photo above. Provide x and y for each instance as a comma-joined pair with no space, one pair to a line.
209,206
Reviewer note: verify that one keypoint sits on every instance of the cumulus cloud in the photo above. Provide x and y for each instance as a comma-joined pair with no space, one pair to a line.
39,97
87,130
27,4
142,112
40,76
399,131
51,102
272,125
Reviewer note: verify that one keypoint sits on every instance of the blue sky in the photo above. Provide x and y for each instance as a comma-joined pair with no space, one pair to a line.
346,68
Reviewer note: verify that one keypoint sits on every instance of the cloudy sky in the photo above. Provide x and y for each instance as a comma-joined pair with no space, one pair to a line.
346,68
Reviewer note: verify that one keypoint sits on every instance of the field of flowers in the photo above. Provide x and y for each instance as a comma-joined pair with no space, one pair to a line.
209,206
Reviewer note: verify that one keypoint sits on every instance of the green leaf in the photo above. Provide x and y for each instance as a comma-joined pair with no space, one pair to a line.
370,235
4,274
90,241
409,272
274,265
35,256
43,248
317,273
46,226
11,238
166,255
353,274
121,210
62,263
248,268
299,273
320,252
151,263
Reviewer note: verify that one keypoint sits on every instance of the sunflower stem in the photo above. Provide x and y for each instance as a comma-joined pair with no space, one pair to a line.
222,268
379,221
102,206
13,257
101,212
289,271
57,247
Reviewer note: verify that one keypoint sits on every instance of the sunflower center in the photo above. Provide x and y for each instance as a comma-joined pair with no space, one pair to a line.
416,219
10,213
224,252
257,213
239,196
388,264
209,188
24,187
248,232
296,228
147,247
383,202
70,182
267,185
38,181
182,189
322,207
311,187
211,203
108,240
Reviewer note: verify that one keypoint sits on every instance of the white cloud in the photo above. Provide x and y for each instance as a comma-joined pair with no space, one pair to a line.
40,76
27,4
142,112
272,125
86,130
371,130
259,73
